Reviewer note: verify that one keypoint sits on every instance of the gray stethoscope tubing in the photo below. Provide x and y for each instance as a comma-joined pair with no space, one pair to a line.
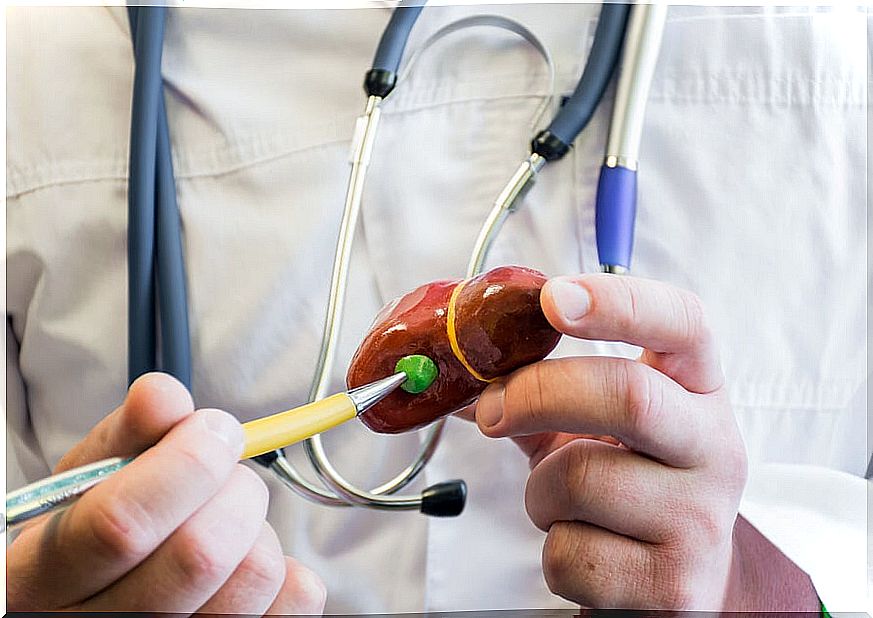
344,492
156,266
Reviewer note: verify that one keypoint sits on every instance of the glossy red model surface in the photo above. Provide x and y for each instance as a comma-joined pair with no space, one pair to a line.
499,325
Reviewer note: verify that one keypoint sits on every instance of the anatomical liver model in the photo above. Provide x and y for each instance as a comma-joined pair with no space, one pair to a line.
474,331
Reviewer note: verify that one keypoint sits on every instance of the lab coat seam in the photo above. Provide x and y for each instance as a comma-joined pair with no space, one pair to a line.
820,396
252,147
427,103
448,90
850,88
260,159
42,178
260,151
463,101
759,88
751,16
26,188
244,154
788,90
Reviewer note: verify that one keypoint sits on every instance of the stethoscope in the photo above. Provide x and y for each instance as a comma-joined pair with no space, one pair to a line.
640,28
157,295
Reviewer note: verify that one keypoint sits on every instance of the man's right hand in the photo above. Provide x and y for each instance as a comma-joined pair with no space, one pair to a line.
180,529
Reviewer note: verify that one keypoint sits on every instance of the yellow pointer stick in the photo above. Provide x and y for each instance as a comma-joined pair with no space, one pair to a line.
285,428
261,436
413,373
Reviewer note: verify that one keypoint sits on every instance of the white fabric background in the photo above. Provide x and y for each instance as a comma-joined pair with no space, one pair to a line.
752,194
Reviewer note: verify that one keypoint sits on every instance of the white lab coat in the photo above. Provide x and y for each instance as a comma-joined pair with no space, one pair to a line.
752,194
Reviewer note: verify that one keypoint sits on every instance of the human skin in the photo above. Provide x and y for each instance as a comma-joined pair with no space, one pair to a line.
648,520
180,529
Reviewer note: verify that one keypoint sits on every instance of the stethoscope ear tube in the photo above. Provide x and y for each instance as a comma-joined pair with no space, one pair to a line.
556,139
380,79
148,34
154,228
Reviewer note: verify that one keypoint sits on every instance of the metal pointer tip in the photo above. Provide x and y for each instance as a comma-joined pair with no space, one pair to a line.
366,396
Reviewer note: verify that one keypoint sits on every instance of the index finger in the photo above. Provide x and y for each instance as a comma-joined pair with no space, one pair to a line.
618,397
667,321
118,523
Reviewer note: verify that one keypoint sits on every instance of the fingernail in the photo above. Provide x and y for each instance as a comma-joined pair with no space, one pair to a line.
226,427
489,409
570,298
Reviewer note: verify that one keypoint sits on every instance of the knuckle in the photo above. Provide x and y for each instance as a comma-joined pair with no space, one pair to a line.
263,568
559,558
703,531
643,398
694,317
197,462
533,397
736,463
121,530
714,529
580,472
547,492
199,559
576,569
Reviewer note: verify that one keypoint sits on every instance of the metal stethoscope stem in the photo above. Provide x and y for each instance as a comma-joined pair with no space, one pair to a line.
518,185
344,493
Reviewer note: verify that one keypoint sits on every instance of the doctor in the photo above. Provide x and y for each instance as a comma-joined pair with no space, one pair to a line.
751,197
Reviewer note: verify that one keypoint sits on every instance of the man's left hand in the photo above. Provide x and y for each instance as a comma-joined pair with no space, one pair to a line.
646,517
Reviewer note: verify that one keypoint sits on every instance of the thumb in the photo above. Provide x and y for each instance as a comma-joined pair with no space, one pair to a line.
155,402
